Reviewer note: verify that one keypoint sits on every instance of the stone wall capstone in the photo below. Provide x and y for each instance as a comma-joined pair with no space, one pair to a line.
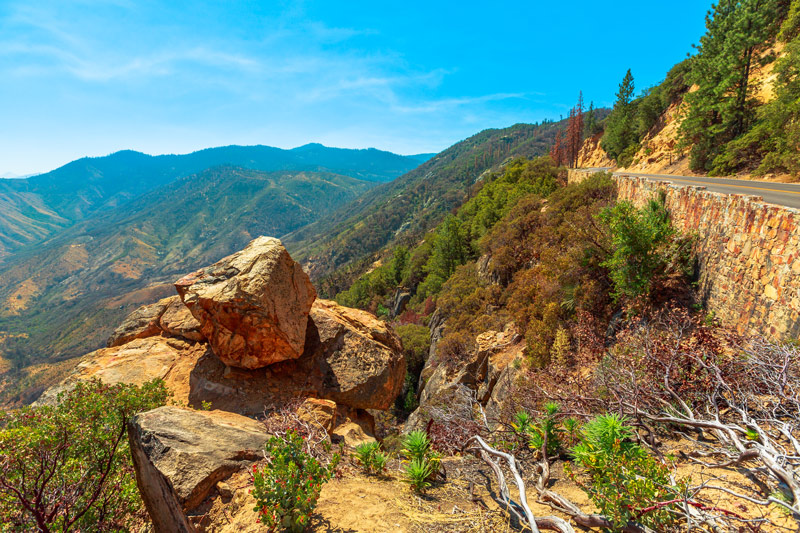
748,253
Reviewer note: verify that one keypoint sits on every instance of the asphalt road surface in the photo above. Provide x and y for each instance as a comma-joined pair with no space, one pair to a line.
786,194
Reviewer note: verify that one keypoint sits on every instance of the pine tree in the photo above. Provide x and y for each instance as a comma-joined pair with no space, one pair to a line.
620,128
773,143
723,106
590,122
557,150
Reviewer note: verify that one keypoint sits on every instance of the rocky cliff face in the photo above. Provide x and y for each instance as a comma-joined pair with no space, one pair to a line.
245,336
486,374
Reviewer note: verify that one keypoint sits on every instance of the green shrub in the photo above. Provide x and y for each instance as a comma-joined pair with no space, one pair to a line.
416,342
418,472
286,489
423,462
625,482
370,456
68,467
646,248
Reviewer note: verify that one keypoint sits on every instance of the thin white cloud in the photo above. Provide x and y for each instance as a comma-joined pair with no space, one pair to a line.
434,106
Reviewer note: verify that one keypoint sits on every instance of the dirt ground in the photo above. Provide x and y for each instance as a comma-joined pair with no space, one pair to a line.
462,502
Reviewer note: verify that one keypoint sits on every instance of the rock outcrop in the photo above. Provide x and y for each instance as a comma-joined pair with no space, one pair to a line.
347,356
488,372
167,317
252,306
180,454
247,336
350,357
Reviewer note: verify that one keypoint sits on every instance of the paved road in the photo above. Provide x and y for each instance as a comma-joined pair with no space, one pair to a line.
786,194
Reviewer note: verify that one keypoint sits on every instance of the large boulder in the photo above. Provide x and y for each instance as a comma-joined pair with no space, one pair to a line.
252,306
180,455
360,357
168,317
350,357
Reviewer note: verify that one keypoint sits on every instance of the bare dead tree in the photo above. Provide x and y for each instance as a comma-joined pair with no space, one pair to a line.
743,394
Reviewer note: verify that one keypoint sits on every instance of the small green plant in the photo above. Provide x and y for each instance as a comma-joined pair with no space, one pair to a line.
424,462
522,422
286,489
418,472
625,482
205,406
370,456
571,431
535,432
417,444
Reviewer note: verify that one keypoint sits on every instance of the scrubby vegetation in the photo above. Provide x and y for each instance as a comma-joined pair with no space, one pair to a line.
287,487
618,355
68,467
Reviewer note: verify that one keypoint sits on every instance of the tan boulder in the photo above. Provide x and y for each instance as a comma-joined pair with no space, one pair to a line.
252,306
352,434
360,357
143,322
318,413
137,362
354,427
177,321
168,317
180,455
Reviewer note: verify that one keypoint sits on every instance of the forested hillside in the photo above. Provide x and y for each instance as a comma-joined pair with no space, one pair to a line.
338,248
732,107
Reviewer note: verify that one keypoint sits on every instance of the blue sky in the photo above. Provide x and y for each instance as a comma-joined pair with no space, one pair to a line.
92,77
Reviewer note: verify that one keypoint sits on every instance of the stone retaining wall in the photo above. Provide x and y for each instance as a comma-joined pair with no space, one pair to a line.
748,253
577,175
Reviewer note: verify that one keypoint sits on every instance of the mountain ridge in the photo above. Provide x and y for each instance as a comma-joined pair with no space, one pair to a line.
35,208
69,289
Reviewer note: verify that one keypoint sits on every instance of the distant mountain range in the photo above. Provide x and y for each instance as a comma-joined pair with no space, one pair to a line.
36,208
82,245
89,242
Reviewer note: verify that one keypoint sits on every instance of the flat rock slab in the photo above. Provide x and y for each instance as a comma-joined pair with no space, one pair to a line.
180,454
252,306
137,362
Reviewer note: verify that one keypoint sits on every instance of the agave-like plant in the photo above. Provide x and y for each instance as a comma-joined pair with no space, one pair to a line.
418,471
416,445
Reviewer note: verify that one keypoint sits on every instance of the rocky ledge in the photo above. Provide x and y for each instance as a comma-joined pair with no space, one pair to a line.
245,336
